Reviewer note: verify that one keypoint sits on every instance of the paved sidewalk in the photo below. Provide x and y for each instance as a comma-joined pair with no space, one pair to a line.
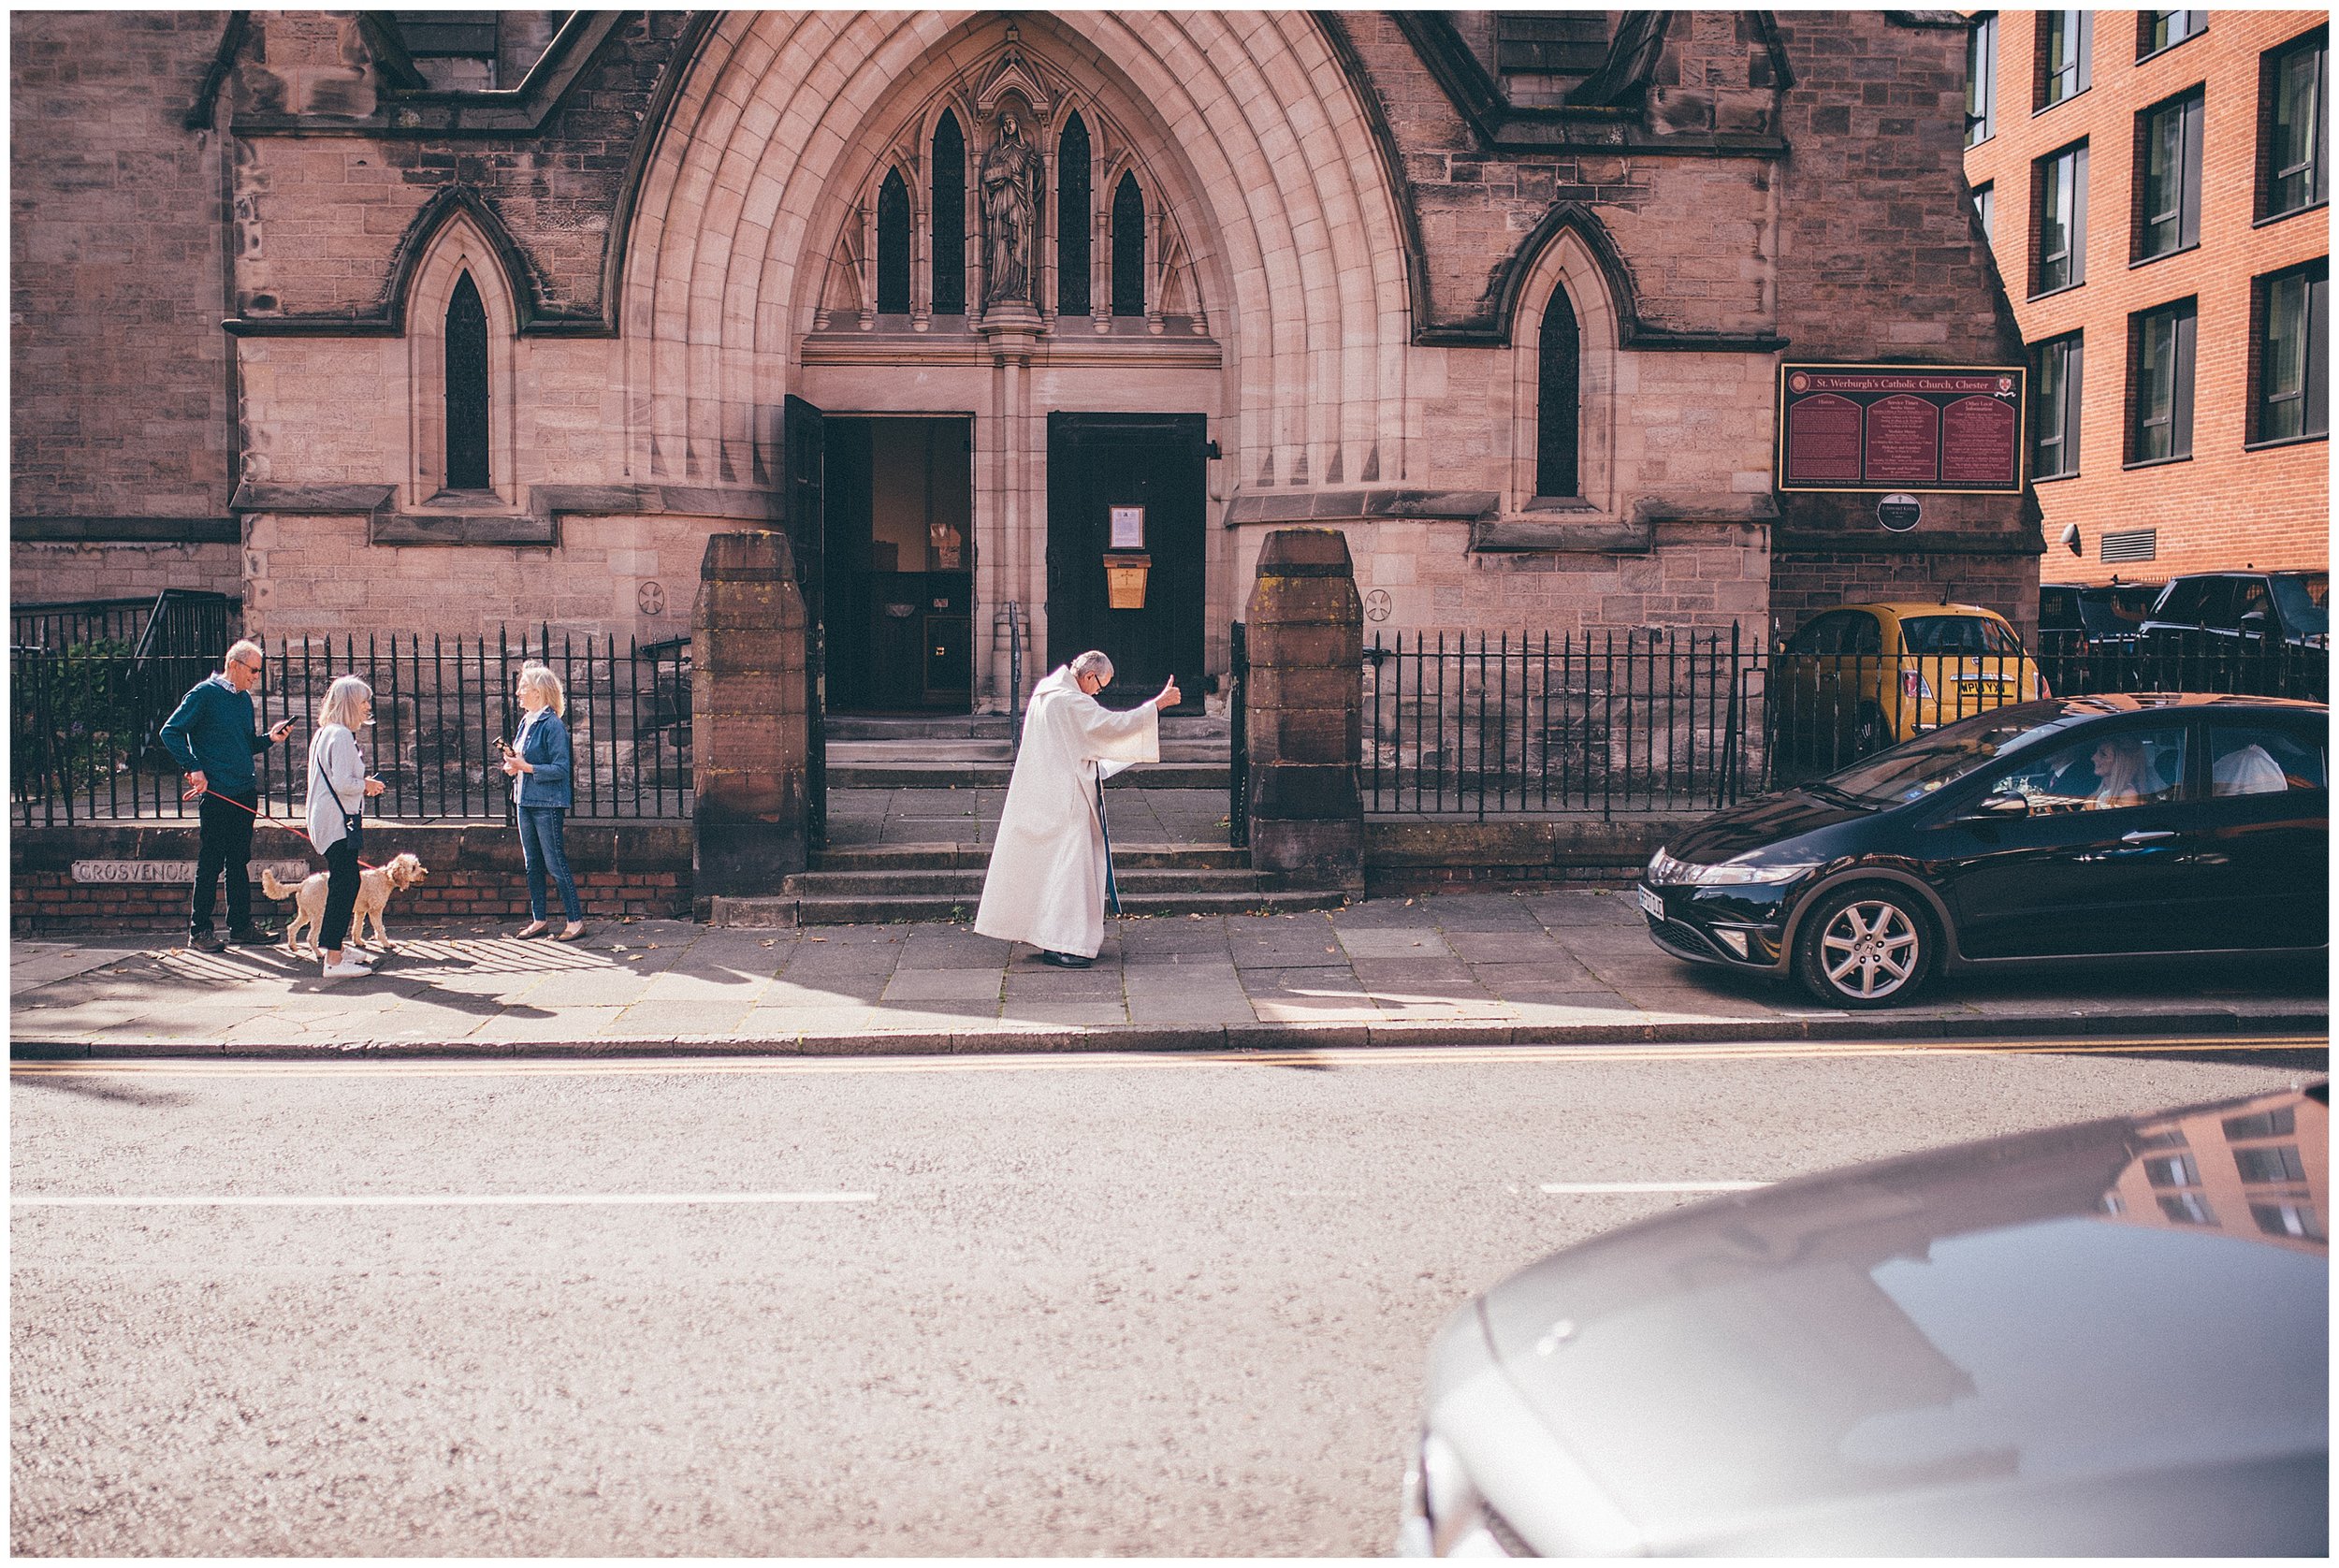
1467,969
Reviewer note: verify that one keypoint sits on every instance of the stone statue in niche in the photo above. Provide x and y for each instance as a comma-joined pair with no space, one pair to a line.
1013,183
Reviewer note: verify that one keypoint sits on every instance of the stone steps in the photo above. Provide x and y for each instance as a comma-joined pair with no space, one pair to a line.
890,884
957,856
983,774
888,911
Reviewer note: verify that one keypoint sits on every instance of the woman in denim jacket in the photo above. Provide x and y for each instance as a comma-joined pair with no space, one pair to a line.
538,761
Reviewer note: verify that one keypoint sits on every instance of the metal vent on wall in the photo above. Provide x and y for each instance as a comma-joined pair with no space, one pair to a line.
2142,544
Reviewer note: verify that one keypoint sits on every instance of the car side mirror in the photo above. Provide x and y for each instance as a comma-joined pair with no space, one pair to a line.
2008,805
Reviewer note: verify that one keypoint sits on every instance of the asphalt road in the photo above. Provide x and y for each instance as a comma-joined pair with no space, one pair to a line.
1078,1305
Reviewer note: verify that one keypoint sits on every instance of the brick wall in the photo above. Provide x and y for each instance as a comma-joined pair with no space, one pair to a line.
2227,506
1804,584
119,370
41,573
640,869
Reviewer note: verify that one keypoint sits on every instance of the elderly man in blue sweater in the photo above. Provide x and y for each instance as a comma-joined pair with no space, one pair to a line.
213,737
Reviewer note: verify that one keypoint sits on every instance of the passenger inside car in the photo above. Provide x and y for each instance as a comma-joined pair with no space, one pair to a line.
2135,769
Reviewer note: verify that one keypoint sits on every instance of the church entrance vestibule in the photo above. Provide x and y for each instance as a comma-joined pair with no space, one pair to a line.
899,563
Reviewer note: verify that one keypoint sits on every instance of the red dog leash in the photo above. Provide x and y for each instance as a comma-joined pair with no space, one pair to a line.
271,821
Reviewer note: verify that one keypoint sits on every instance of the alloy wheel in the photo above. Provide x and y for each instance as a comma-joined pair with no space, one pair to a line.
1869,948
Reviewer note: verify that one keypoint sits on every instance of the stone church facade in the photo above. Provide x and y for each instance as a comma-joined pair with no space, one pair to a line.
385,323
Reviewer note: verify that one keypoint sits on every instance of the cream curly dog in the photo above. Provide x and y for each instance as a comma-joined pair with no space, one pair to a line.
374,888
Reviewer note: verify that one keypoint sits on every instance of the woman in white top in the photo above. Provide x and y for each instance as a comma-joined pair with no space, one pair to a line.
338,788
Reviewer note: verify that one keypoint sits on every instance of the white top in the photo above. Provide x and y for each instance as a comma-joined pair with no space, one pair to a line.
2247,772
1046,883
334,769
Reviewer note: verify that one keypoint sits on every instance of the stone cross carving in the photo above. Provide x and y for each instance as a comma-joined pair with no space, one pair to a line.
1012,181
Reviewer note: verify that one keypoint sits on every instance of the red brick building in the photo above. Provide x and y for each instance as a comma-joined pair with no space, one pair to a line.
2156,188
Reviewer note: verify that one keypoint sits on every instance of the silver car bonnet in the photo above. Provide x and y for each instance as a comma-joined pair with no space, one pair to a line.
1966,1350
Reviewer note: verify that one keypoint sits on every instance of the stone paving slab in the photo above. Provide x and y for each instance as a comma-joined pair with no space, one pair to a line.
1484,968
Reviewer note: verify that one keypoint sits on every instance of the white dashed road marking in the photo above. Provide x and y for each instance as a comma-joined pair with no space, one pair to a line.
436,1200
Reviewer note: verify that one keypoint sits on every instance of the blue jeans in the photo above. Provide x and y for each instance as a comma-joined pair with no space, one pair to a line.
540,848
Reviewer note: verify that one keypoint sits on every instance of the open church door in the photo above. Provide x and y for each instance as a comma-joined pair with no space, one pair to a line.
802,460
1125,491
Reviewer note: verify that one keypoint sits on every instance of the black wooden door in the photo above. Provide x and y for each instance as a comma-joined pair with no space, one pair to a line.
1098,463
804,466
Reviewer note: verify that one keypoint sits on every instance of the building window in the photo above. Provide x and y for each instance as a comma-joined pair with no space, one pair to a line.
466,388
2167,177
2291,353
2054,412
950,217
2066,38
2287,1219
1985,209
2058,219
2160,384
2266,1123
1072,219
1556,399
2188,1207
1128,248
2277,1163
2292,83
2172,1170
2159,30
893,246
1981,79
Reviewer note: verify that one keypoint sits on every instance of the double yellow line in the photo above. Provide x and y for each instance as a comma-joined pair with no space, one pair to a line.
1369,1056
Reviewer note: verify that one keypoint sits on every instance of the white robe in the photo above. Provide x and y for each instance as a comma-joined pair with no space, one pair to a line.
1046,884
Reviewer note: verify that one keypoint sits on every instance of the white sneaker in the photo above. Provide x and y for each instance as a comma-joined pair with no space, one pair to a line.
345,969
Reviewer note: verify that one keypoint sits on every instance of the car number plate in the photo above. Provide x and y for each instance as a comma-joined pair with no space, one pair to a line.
1652,906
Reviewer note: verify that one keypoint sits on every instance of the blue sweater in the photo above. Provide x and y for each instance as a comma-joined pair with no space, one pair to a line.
213,732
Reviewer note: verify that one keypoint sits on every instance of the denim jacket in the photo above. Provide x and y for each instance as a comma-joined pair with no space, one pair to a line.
543,743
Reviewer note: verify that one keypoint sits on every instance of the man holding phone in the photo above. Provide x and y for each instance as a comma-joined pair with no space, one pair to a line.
214,737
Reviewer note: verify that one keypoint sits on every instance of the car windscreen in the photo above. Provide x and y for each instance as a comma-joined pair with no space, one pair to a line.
1916,768
1957,635
2304,601
2114,612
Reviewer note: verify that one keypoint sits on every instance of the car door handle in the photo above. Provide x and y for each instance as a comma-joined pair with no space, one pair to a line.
2146,836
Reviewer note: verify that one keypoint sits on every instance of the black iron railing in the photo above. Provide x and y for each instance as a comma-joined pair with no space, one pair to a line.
1478,723
174,621
86,717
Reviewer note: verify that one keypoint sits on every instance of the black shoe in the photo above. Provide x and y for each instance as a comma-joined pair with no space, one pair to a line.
1065,960
253,936
205,941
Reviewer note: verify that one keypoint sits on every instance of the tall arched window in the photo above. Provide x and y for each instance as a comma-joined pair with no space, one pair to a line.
1128,248
1556,399
892,245
1072,220
950,217
466,388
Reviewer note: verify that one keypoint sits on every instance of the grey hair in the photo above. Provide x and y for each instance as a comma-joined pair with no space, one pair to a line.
241,648
341,701
1093,663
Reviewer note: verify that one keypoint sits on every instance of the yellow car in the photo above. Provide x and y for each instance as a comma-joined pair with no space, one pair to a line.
1864,676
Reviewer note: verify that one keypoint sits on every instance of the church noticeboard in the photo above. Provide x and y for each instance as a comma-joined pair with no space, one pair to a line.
1911,427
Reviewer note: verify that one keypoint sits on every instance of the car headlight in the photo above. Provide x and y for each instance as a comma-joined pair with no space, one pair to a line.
1664,870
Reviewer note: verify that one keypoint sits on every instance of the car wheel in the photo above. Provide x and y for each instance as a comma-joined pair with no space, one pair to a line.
1866,946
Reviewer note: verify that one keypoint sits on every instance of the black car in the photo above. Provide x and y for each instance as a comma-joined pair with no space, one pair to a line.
2103,1339
2079,619
2250,608
2079,827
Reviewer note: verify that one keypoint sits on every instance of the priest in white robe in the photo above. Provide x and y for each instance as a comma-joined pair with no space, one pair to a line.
1046,884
